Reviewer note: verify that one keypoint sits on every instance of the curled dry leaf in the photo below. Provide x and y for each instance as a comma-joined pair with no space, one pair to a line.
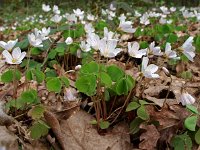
79,134
167,116
55,126
149,138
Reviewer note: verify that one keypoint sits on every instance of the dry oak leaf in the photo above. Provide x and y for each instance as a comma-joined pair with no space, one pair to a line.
149,138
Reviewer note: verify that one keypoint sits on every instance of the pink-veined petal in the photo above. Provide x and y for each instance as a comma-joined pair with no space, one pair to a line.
152,68
16,53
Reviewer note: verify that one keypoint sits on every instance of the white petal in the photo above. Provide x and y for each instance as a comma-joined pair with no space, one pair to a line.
152,68
168,47
188,41
135,46
16,53
2,44
23,54
8,56
189,55
145,61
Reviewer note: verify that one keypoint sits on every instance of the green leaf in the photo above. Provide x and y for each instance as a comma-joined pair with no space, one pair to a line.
186,75
115,72
181,142
7,76
23,44
197,137
141,112
29,75
106,95
69,33
192,108
143,102
104,124
105,79
16,103
132,106
90,68
143,44
37,112
122,87
10,76
39,75
197,43
100,25
60,49
35,51
190,123
93,122
86,84
29,97
65,81
172,38
39,129
54,85
130,82
52,54
135,125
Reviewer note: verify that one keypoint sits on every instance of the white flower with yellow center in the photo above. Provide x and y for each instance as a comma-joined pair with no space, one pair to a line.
16,57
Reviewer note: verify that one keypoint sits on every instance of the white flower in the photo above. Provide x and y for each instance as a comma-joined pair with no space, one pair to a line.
72,18
187,14
89,28
168,51
133,50
154,50
93,40
78,67
122,17
108,34
186,99
56,10
34,40
112,7
172,9
144,19
42,34
164,10
108,48
69,41
16,57
90,17
183,8
149,71
85,47
126,26
187,49
137,14
56,18
79,13
9,45
46,8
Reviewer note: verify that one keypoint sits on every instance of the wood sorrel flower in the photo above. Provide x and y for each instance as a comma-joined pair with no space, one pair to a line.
9,45
108,48
34,40
187,49
16,57
46,8
149,71
133,50
168,51
69,41
186,99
